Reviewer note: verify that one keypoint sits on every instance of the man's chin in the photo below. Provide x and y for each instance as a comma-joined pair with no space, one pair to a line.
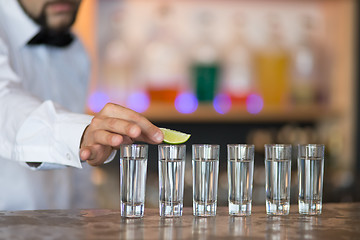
59,23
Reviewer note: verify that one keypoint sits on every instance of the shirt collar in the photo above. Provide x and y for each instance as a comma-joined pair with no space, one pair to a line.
20,27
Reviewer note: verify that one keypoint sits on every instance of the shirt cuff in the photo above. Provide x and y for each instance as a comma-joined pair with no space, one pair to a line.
51,136
111,157
45,166
69,130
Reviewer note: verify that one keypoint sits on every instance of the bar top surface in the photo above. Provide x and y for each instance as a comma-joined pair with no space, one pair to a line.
338,221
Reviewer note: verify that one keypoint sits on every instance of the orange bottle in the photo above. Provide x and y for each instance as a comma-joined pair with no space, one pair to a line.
272,65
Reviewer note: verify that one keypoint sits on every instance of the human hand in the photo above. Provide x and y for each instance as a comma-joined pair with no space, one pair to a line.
112,126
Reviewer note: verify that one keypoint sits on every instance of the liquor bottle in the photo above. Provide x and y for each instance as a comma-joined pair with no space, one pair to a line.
272,64
205,64
238,80
307,66
162,64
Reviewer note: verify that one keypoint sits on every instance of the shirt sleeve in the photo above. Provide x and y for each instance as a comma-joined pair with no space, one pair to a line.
52,133
35,131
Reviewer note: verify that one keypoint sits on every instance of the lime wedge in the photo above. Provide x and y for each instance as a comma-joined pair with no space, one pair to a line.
174,137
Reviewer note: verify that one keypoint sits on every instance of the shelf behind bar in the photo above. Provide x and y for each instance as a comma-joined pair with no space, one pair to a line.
161,112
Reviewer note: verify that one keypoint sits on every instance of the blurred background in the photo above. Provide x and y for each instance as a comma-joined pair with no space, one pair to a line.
231,71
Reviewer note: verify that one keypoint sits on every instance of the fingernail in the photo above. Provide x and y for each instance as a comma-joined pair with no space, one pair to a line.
158,136
134,132
115,140
82,155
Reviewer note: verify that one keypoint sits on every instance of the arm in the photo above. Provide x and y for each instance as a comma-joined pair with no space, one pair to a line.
32,130
36,131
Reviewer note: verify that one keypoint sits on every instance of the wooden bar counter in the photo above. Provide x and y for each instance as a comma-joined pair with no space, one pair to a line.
338,221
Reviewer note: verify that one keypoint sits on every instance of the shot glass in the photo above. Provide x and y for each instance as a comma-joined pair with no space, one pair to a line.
310,176
133,164
278,175
205,166
240,178
171,179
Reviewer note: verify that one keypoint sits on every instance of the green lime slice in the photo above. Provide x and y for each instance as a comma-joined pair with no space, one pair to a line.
174,137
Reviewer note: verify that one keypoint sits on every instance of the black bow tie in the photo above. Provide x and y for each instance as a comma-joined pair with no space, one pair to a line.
47,37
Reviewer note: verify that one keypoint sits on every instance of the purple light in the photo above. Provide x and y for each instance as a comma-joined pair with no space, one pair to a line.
97,101
254,103
186,103
222,103
138,101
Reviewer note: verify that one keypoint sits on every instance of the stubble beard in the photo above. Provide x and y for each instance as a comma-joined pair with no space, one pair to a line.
43,21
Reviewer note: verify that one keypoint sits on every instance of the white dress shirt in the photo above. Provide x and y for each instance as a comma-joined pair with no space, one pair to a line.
42,94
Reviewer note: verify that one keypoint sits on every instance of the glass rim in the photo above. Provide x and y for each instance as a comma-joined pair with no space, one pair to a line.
135,144
205,145
171,145
240,144
278,145
311,145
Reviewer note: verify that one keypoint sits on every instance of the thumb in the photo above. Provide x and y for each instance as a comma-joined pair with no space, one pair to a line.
87,153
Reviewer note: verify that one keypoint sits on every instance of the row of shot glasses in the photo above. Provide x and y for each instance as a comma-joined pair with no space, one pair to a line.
205,171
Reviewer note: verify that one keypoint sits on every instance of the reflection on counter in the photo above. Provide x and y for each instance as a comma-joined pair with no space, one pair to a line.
338,221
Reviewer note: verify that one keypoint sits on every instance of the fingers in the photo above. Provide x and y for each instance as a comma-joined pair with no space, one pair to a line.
88,153
149,132
85,154
112,126
116,125
127,140
95,155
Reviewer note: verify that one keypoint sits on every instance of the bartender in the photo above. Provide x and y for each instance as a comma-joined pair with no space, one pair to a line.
43,85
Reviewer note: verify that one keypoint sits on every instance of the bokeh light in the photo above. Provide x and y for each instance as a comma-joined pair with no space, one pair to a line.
222,103
186,103
97,101
138,101
254,103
